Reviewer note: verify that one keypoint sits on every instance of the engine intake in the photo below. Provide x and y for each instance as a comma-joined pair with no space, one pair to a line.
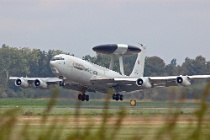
22,83
144,82
40,83
183,80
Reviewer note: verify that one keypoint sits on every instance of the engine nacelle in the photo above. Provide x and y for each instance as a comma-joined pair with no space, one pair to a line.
40,83
144,82
183,80
22,83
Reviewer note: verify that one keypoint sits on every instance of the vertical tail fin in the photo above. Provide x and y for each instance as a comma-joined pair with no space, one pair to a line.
138,69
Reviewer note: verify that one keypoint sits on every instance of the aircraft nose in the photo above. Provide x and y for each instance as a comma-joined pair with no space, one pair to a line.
52,63
53,67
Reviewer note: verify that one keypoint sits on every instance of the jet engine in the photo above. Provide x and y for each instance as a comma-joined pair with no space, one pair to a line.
144,82
183,80
40,83
22,83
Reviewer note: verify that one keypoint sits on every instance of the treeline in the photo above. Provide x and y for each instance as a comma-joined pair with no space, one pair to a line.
35,63
22,62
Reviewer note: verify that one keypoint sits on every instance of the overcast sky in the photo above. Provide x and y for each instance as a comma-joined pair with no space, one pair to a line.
169,28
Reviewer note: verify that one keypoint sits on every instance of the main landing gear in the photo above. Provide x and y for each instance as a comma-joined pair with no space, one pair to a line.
83,97
117,97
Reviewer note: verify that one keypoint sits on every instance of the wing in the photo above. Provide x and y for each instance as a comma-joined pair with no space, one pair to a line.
45,82
35,81
129,84
119,84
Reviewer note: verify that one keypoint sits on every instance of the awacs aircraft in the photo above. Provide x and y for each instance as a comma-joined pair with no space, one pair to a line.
80,75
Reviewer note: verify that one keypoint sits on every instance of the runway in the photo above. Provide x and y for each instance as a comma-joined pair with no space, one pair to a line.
72,108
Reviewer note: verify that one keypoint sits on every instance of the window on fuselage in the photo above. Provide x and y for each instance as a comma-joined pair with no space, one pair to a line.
57,58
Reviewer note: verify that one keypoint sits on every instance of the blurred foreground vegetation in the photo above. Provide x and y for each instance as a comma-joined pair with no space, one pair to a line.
80,123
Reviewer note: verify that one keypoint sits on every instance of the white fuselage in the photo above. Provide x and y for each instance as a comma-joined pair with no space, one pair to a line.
78,70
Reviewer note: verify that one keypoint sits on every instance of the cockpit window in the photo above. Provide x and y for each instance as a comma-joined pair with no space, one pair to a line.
57,58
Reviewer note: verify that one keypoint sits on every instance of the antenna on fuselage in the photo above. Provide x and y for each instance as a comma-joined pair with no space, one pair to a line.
117,50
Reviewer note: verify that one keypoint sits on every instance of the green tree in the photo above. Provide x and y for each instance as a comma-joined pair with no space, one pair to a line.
154,66
171,69
194,66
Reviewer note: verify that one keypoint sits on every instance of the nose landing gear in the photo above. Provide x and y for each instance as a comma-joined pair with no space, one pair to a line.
83,97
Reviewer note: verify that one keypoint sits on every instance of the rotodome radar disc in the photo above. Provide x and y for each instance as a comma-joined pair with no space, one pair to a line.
120,49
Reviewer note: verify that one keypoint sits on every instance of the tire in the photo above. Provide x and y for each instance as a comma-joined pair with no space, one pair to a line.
83,97
117,97
87,97
121,97
114,96
79,97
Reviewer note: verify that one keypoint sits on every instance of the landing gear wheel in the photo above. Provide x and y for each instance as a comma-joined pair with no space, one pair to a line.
87,97
117,97
121,97
80,97
114,96
83,97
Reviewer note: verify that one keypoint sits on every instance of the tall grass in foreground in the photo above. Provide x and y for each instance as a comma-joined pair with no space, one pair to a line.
58,128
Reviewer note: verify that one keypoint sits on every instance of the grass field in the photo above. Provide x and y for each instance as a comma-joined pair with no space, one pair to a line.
65,103
114,124
67,119
145,127
64,107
